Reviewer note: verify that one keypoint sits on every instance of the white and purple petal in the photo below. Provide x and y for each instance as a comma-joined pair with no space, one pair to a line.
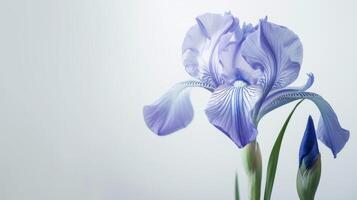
173,111
230,109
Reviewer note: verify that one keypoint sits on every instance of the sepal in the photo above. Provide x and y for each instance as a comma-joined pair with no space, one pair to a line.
308,179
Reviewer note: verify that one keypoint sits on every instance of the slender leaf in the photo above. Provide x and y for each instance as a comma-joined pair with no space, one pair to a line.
237,188
274,156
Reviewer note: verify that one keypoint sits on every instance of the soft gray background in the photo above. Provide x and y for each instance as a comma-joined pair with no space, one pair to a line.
74,76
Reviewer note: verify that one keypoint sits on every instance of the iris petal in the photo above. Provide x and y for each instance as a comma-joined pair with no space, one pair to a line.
173,111
199,48
277,51
306,86
192,47
329,129
271,97
229,109
234,66
213,25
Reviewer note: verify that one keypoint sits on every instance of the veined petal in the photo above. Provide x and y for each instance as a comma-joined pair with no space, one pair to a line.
329,129
303,88
173,111
277,51
273,95
229,109
199,48
306,86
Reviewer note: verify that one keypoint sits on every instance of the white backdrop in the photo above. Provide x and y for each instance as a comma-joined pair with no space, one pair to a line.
74,76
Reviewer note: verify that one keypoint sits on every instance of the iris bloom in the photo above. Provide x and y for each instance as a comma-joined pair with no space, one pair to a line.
248,69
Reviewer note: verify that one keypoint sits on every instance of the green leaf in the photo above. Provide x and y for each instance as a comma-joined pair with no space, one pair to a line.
274,156
237,188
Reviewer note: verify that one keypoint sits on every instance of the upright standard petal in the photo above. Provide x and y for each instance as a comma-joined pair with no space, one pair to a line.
173,111
233,65
329,129
229,109
277,51
200,46
214,25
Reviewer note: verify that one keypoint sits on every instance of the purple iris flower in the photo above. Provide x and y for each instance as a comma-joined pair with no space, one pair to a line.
248,69
309,149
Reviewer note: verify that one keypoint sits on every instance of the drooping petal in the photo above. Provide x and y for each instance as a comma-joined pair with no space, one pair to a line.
309,149
273,95
229,109
329,129
199,50
277,51
173,111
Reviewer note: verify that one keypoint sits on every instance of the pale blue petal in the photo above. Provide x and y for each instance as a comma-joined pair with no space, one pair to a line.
173,111
229,109
277,51
191,62
192,48
306,86
234,66
271,97
213,25
329,129
199,48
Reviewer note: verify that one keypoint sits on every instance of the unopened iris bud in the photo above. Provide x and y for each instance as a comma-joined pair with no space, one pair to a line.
308,176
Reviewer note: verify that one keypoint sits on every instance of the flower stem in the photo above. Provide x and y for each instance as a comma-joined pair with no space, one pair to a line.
253,165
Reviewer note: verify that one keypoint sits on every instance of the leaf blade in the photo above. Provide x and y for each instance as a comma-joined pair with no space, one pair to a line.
274,156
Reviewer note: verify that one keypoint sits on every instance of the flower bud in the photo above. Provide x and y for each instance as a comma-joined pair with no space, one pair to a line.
308,176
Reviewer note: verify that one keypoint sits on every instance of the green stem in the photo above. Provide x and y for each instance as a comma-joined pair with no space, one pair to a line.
253,165
237,196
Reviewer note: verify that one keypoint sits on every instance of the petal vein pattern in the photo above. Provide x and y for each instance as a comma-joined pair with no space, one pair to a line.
230,110
173,111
